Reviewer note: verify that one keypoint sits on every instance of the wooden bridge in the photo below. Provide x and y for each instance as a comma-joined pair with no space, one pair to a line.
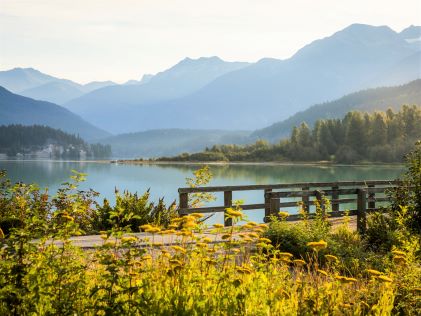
364,195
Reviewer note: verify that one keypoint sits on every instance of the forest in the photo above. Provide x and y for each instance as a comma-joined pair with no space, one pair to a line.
28,140
357,137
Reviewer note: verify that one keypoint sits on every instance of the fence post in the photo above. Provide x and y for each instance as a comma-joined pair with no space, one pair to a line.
335,196
319,197
306,200
371,197
361,211
184,201
267,204
275,207
227,204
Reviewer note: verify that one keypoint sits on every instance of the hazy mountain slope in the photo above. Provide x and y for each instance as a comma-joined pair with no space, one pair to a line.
118,108
262,93
367,100
155,143
16,109
412,35
54,91
20,79
34,84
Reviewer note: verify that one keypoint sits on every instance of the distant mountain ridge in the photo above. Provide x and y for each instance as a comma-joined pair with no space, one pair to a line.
119,108
367,100
37,85
256,95
17,109
155,143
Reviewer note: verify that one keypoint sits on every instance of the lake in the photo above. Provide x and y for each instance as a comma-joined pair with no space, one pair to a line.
164,180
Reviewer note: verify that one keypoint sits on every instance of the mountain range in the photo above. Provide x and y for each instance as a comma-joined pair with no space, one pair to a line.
119,108
250,96
32,83
370,100
207,93
17,109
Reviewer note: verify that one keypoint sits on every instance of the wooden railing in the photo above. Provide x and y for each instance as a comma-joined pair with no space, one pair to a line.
365,195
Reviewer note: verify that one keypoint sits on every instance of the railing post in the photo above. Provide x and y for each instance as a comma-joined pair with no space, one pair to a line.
306,200
319,197
267,204
275,207
371,197
361,211
227,204
184,200
335,196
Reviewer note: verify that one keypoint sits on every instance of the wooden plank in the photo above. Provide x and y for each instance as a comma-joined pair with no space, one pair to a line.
215,209
362,214
184,200
285,186
306,199
335,197
275,206
371,196
267,203
227,204
319,200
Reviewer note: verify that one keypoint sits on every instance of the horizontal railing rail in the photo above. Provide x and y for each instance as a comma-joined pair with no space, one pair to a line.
365,192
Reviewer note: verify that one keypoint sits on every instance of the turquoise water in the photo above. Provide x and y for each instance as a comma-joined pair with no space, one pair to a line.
164,180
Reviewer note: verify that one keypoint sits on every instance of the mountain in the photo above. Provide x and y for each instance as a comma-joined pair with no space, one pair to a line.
156,143
119,108
412,35
254,96
37,85
20,79
16,109
368,100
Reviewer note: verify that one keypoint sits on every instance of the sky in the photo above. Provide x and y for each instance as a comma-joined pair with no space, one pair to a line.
87,40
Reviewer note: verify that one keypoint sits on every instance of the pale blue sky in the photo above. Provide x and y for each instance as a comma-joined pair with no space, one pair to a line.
87,40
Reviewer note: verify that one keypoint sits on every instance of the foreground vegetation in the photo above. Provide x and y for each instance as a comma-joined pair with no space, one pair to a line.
377,137
308,268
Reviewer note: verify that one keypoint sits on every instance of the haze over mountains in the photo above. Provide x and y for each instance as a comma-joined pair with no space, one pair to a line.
111,106
211,94
368,100
32,83
358,57
16,109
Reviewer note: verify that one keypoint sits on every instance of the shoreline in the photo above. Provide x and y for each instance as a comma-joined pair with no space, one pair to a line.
251,163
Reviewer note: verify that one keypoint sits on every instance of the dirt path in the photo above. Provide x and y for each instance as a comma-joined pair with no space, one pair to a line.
93,241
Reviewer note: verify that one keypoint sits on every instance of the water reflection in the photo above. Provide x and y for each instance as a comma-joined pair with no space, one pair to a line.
163,180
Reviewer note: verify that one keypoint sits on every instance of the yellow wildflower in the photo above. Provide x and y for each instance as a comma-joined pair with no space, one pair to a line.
323,272
179,249
299,262
218,225
317,245
286,255
266,240
384,278
145,227
253,235
374,272
207,239
398,253
128,239
196,215
399,260
331,258
283,214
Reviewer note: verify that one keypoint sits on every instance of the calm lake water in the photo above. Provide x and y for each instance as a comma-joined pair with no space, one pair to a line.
164,180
